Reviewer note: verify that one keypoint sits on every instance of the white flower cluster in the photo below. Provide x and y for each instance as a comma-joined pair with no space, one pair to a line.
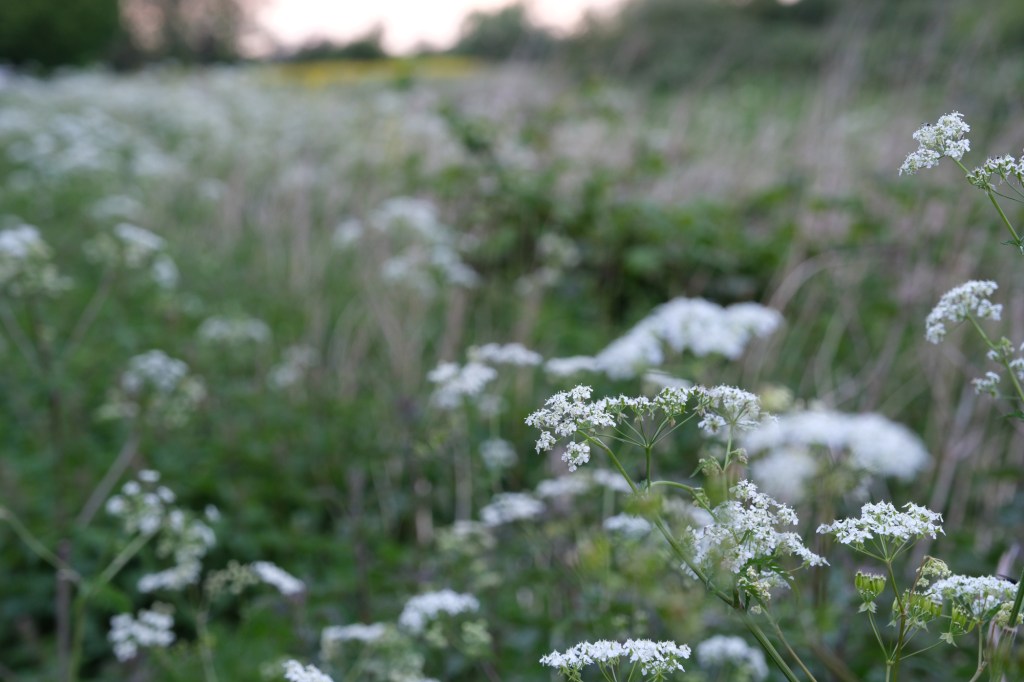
356,632
234,331
882,522
582,482
275,576
726,408
296,672
956,305
145,507
25,264
683,325
653,658
987,384
868,444
423,608
420,244
505,354
152,628
979,596
628,525
509,508
294,366
456,382
134,248
156,386
569,413
722,650
742,534
497,454
945,138
1003,167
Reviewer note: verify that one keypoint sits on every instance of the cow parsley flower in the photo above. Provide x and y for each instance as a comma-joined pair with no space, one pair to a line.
234,331
987,384
786,452
157,386
652,658
424,608
509,508
26,266
296,364
275,576
726,408
945,138
497,454
296,672
355,632
967,300
1003,167
508,354
742,538
979,596
723,650
888,530
151,628
628,525
455,382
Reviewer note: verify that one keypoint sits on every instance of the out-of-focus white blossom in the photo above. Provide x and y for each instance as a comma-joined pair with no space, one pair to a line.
234,331
653,658
296,672
151,628
293,368
157,386
682,325
509,508
505,354
275,576
25,264
355,632
498,454
420,610
455,382
788,450
628,525
970,299
723,650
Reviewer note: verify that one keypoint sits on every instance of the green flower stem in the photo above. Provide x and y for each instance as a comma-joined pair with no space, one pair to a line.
1006,221
205,649
785,643
769,649
1018,600
981,657
615,462
37,547
894,662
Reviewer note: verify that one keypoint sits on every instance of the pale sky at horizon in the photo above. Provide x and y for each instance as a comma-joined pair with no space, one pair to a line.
407,23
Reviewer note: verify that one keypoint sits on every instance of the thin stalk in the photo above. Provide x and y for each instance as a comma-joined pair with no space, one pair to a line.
789,649
981,658
106,484
205,652
763,640
37,547
992,198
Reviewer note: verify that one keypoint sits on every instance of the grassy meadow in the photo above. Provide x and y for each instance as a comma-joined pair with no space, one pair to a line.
311,247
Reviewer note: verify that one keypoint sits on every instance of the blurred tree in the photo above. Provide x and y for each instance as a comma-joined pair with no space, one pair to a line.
202,31
506,33
50,33
366,47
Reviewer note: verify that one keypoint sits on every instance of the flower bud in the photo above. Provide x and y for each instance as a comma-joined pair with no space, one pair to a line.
869,585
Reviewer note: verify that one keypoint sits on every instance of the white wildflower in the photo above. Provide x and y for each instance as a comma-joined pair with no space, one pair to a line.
296,672
890,529
234,331
945,138
160,384
654,658
294,366
152,628
355,632
273,575
956,305
25,264
980,596
508,354
785,472
628,525
742,535
510,507
497,454
987,384
563,487
722,650
456,382
727,406
173,579
424,608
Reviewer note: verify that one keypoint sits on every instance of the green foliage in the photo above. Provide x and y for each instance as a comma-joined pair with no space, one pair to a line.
505,33
49,34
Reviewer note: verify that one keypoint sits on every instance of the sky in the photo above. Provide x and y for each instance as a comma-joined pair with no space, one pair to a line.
407,23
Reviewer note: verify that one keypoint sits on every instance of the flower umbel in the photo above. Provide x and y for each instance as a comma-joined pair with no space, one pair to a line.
956,305
945,138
